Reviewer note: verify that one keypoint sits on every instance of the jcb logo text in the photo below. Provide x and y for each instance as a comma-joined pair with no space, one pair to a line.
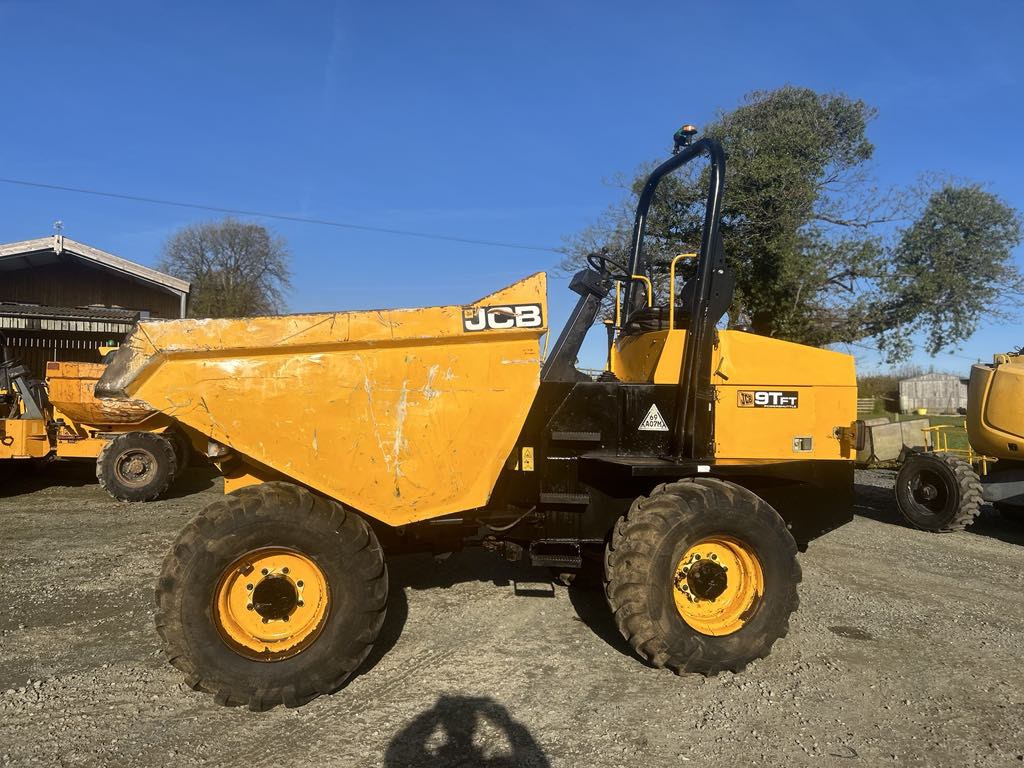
502,318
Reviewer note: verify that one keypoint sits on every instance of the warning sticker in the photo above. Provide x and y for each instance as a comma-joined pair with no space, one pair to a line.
653,421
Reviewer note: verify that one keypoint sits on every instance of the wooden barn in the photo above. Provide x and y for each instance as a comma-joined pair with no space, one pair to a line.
62,300
938,392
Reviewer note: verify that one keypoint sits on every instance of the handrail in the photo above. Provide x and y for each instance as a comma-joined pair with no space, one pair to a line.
650,288
940,444
672,288
618,297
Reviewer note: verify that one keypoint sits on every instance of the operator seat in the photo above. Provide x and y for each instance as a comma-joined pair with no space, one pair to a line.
648,319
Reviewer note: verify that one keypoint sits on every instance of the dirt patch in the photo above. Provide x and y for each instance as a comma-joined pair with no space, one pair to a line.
907,650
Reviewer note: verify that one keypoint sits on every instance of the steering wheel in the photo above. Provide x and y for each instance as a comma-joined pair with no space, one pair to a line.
601,261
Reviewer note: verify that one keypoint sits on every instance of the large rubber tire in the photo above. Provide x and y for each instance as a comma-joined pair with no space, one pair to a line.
641,561
938,492
183,450
273,514
152,453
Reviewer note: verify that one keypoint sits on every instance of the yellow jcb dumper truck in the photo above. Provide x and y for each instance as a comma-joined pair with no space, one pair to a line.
137,451
943,491
345,435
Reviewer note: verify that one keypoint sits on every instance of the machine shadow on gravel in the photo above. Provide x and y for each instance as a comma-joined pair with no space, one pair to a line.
879,503
195,479
28,476
423,572
420,571
591,608
463,731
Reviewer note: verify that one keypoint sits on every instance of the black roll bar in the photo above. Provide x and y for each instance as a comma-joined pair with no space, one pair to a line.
698,335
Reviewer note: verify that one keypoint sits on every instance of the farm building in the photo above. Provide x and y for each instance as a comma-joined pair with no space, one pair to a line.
938,392
62,300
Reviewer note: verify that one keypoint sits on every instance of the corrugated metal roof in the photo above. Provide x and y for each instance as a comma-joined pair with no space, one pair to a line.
77,313
36,317
26,253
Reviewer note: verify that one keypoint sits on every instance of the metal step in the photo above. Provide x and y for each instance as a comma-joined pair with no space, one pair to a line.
556,554
574,499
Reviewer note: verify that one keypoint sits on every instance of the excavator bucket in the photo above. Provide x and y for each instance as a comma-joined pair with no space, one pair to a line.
403,414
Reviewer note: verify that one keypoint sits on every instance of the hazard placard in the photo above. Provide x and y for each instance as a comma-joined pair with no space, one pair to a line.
653,421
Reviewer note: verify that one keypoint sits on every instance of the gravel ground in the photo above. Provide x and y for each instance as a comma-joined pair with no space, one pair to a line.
907,650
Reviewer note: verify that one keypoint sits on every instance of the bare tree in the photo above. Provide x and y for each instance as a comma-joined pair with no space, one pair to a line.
237,269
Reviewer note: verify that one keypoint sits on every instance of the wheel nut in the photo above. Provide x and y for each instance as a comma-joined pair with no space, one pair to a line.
714,557
284,570
298,583
265,571
249,607
249,587
300,603
696,556
285,618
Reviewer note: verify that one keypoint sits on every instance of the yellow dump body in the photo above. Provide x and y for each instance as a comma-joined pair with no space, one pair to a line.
404,415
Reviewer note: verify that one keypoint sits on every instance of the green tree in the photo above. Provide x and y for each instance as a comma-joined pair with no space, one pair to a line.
237,269
953,263
817,248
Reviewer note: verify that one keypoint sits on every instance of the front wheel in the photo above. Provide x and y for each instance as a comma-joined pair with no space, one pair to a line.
272,595
938,492
702,576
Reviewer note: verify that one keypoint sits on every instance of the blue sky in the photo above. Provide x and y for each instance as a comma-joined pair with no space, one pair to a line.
499,121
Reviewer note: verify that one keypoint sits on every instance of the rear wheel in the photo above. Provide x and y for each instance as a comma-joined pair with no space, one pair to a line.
272,595
938,492
136,466
702,576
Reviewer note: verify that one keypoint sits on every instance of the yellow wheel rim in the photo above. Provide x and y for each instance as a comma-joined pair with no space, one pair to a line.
718,585
271,604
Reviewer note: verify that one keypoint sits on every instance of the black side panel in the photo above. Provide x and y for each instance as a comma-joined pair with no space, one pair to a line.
568,421
1004,482
813,497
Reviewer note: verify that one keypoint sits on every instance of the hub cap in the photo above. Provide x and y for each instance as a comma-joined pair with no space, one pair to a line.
718,585
929,490
134,467
271,604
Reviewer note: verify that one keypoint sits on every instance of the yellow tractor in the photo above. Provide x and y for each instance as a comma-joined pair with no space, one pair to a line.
686,468
137,450
943,490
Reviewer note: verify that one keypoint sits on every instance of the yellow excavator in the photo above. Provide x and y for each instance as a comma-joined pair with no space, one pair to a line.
943,491
689,469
